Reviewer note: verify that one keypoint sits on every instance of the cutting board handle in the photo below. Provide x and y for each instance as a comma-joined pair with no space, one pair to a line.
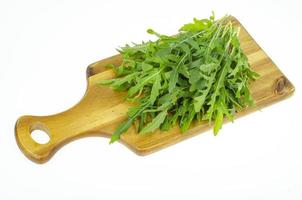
100,107
59,127
68,126
33,150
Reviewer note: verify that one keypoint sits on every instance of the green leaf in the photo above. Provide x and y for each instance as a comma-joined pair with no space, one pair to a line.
218,121
173,79
126,125
183,69
106,82
174,74
166,125
194,76
197,26
194,44
199,101
115,83
155,89
121,129
146,67
186,122
133,90
155,123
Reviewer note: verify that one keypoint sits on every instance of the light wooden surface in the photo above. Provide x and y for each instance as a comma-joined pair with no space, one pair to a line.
101,109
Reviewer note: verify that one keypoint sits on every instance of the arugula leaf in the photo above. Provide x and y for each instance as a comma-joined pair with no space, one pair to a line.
218,121
174,75
126,125
133,90
155,89
155,123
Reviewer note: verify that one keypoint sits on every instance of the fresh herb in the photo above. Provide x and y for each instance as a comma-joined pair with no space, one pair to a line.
201,73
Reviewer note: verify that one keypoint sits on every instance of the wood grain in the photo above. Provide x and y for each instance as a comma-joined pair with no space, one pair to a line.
101,109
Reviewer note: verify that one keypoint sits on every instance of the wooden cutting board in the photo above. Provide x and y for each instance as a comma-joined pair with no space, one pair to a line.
101,109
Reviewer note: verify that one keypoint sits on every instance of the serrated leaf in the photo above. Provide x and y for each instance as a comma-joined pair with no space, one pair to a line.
155,89
123,127
173,79
155,123
174,74
133,90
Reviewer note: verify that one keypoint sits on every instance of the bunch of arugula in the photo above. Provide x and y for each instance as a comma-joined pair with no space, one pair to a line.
201,73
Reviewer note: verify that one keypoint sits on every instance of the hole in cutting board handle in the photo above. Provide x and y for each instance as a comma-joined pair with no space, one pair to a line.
40,136
39,133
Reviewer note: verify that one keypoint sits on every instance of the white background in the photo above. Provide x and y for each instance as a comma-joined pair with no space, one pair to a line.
45,47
